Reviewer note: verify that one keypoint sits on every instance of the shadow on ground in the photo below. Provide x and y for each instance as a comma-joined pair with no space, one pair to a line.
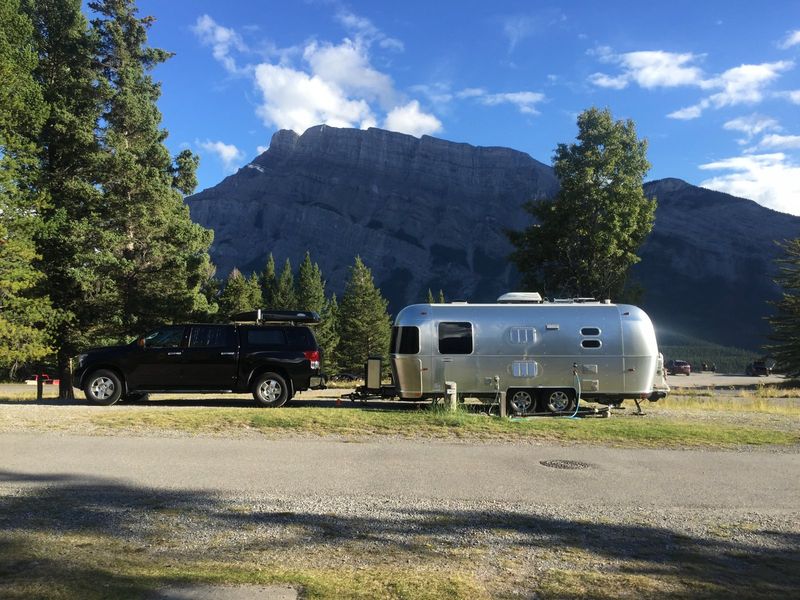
176,529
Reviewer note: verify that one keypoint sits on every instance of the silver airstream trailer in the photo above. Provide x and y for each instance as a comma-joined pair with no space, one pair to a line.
541,354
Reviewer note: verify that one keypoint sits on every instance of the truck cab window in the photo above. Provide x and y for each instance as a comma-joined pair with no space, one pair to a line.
211,336
455,338
166,337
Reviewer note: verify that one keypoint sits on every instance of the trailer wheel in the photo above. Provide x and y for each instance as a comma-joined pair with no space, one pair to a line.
520,401
559,401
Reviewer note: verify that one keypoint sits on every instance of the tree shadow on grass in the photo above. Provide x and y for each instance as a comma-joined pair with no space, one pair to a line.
161,526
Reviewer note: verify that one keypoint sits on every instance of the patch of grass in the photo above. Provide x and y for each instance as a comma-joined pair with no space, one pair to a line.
773,391
746,403
441,425
90,566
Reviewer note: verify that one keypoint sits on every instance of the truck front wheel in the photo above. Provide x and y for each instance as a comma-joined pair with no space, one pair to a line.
270,389
103,387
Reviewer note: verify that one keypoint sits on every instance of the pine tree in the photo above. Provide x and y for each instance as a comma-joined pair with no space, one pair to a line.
240,294
364,325
75,243
310,286
441,297
586,239
285,297
327,334
23,312
429,298
269,283
161,255
786,321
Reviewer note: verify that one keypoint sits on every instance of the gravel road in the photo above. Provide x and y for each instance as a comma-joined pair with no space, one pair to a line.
624,523
426,470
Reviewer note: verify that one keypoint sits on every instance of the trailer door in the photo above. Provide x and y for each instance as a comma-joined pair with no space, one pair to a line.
456,358
407,361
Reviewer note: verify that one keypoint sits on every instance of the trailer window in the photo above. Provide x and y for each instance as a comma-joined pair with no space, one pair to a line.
591,343
455,338
522,335
590,331
524,368
405,340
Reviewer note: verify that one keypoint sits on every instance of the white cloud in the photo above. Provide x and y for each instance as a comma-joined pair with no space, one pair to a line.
410,119
517,28
524,101
775,141
751,126
471,93
347,66
791,39
331,84
655,68
649,69
772,180
607,81
793,96
221,39
688,113
295,100
229,154
366,32
745,84
262,149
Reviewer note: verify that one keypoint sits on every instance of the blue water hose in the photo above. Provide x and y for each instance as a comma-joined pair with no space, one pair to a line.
577,391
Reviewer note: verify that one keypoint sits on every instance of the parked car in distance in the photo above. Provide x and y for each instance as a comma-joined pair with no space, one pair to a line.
273,357
758,368
678,367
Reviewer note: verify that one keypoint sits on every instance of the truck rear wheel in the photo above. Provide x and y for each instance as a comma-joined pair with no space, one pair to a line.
559,401
270,389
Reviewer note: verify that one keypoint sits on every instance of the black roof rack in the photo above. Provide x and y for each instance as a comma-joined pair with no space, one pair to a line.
262,315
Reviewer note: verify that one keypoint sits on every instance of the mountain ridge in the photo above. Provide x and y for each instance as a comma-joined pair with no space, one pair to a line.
428,213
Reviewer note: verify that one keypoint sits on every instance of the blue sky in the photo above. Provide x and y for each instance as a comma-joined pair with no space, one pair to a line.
714,86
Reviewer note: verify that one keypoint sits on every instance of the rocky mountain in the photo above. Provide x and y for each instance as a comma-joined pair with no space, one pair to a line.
428,213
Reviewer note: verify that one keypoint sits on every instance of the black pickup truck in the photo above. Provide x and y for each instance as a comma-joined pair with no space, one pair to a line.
273,360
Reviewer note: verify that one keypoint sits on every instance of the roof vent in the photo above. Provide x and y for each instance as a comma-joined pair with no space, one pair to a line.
520,298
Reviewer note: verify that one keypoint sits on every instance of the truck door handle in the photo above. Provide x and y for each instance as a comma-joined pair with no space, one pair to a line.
174,353
227,353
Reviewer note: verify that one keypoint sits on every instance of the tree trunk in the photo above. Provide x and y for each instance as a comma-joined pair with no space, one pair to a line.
65,391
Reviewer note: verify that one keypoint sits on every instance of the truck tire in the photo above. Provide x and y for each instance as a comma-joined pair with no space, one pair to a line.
270,390
103,387
560,401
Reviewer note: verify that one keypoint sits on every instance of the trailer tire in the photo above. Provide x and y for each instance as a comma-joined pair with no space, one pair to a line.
520,401
560,400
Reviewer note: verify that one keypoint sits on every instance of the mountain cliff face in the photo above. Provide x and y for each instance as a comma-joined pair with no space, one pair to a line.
420,212
427,213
